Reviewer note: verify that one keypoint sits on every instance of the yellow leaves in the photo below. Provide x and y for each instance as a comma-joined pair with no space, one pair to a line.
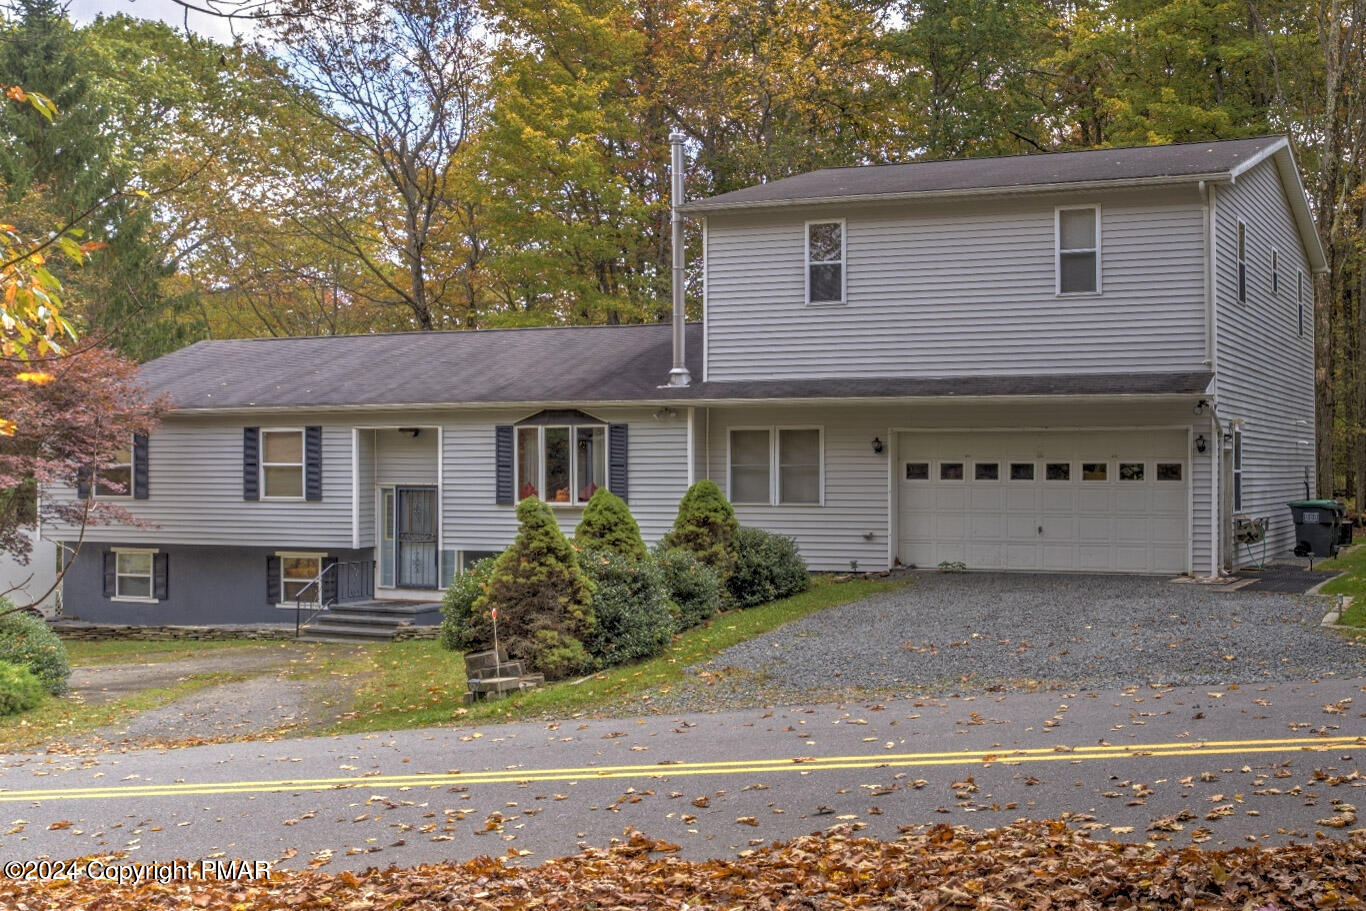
7,427
34,377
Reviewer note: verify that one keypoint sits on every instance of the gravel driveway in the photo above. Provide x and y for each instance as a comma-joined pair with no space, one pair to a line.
947,632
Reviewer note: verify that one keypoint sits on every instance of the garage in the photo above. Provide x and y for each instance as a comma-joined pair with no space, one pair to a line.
1080,500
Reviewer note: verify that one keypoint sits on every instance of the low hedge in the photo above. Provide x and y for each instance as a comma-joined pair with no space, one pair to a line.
767,567
20,689
27,641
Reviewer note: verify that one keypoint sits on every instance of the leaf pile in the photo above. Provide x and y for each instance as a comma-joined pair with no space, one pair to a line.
1026,865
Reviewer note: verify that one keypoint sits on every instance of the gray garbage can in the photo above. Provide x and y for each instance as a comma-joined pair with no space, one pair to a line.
1318,527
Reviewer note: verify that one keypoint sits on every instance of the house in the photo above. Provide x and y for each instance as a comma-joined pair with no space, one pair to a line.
1083,361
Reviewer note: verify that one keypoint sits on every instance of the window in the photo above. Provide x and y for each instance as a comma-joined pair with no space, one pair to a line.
825,262
1078,240
1058,471
116,479
1169,471
1299,299
917,471
1275,272
1021,471
790,456
1131,471
1242,263
750,459
1237,470
986,471
950,471
568,463
282,464
799,466
1094,471
296,572
133,575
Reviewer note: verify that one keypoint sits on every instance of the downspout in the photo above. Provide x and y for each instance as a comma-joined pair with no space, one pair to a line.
679,375
1221,527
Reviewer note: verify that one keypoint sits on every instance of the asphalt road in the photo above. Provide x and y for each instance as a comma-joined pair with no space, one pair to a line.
1221,766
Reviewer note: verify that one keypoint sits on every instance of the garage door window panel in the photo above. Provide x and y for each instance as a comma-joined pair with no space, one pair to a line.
917,471
1021,471
1169,471
1058,471
1095,471
1131,471
986,471
950,471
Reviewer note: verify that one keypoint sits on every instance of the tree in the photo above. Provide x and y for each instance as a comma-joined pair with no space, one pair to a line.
607,524
706,527
68,429
402,81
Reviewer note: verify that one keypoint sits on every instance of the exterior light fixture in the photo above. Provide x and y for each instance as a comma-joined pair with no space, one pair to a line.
1200,443
877,445
411,431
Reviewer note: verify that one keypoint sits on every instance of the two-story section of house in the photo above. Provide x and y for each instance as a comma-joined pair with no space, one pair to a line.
1086,361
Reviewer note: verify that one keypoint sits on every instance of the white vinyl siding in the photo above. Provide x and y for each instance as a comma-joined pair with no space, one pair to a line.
953,289
402,458
1265,367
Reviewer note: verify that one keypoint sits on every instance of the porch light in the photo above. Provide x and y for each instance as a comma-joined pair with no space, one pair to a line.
1200,443
877,445
411,431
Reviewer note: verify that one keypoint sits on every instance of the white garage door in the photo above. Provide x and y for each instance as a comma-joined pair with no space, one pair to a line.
1050,500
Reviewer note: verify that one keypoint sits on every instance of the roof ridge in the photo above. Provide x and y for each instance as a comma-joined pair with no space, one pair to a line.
427,333
1046,153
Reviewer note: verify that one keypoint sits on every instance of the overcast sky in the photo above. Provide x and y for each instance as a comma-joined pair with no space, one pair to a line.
165,10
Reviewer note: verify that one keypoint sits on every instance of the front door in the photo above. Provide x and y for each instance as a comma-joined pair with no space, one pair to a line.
416,537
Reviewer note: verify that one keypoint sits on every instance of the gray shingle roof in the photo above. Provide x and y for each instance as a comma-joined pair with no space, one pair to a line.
559,364
1014,172
1192,383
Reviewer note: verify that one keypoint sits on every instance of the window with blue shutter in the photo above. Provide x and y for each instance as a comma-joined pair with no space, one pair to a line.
251,463
140,490
313,463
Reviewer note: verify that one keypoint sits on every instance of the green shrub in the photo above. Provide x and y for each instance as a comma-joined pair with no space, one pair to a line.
20,689
543,598
767,567
607,524
27,641
631,606
458,632
705,527
693,586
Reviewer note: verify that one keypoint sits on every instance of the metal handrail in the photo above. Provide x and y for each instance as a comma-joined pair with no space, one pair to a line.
316,582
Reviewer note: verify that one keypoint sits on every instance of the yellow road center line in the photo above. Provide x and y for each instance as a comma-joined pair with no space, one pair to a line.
670,770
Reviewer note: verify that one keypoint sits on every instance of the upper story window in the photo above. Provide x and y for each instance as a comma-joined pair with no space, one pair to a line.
568,463
282,464
115,480
1078,250
782,465
1242,263
825,262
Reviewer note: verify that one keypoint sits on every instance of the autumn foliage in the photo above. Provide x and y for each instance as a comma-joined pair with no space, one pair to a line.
1028,865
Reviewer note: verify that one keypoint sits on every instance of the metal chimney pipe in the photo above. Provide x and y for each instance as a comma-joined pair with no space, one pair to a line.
679,375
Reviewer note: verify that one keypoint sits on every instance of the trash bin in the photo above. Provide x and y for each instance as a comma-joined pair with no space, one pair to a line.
1345,538
1318,527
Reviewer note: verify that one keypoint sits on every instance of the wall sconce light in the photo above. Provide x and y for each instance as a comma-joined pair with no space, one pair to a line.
1200,443
877,445
411,431
1201,406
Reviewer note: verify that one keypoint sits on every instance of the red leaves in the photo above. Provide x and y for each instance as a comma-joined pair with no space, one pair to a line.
1026,865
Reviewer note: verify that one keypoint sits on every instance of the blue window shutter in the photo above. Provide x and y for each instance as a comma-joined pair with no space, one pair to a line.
617,461
111,569
161,576
502,454
272,579
313,463
83,478
139,466
251,463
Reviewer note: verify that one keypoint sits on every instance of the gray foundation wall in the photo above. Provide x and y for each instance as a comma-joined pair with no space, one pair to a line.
206,585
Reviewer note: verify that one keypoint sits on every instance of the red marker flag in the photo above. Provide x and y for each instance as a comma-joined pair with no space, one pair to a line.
494,613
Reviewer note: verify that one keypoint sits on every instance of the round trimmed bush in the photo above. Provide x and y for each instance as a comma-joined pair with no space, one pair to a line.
631,606
543,598
20,689
607,524
706,527
693,586
457,606
767,567
27,641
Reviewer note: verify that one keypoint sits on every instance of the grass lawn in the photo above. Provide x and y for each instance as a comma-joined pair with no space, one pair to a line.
416,684
1353,564
61,719
129,651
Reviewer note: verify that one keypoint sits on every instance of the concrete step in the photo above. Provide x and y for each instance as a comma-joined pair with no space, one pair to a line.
349,618
327,632
398,608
